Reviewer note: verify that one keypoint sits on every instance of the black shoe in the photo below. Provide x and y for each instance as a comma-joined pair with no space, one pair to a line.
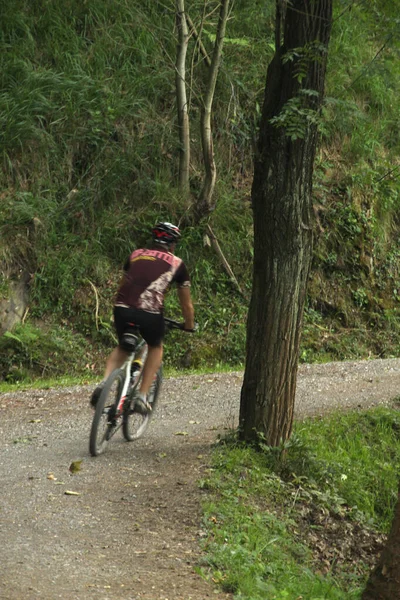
96,395
142,407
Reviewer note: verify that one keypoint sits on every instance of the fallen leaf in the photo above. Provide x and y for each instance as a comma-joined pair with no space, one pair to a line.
35,421
75,466
181,433
51,477
70,493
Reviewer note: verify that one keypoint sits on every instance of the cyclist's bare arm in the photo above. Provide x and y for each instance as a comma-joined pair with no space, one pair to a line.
186,303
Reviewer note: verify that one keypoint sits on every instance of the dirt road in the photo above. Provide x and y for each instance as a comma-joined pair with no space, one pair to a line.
131,528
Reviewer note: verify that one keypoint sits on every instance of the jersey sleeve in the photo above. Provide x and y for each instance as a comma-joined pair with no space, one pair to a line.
182,278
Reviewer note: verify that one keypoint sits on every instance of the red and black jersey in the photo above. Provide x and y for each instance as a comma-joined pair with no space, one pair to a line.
148,275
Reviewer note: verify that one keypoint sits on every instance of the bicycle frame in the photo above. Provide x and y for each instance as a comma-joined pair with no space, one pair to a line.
170,324
127,367
116,408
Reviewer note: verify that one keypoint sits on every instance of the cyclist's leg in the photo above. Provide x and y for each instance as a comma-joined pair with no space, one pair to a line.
150,368
122,322
116,359
152,328
118,356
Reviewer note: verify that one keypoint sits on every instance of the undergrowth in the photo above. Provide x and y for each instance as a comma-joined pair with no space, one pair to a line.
304,520
28,353
90,152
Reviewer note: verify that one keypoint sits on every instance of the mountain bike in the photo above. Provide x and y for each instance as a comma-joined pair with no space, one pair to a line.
116,408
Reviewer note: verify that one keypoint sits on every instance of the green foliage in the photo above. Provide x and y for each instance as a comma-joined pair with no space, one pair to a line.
303,57
296,117
354,458
90,155
29,352
360,110
345,466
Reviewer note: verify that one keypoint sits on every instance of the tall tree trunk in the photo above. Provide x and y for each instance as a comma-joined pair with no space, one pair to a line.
282,209
180,80
384,582
204,203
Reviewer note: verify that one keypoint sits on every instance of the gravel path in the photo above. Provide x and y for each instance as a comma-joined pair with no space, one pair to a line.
131,530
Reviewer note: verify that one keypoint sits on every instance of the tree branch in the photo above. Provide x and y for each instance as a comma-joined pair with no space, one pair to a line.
196,36
217,248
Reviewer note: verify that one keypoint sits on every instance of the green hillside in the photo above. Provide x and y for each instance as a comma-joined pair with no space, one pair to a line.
89,151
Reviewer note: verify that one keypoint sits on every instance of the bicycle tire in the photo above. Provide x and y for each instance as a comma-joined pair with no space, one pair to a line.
134,424
104,424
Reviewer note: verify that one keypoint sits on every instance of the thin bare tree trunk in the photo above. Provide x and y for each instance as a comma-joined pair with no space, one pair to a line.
204,203
282,207
180,79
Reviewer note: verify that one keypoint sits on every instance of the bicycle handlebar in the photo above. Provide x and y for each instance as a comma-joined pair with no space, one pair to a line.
171,324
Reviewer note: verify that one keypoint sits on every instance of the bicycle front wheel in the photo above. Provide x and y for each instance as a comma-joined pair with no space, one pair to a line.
135,424
105,421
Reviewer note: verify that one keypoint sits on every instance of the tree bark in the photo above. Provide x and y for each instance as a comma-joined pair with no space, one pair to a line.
204,203
384,581
180,81
282,210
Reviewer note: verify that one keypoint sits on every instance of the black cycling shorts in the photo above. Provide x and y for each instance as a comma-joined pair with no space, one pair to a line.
151,326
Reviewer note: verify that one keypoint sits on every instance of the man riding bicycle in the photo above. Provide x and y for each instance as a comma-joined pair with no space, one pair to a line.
140,302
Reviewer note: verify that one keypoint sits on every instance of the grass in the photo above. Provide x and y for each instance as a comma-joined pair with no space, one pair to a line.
47,383
356,457
262,509
90,378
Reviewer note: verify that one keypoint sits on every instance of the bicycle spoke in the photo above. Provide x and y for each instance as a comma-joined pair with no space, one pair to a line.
135,424
105,423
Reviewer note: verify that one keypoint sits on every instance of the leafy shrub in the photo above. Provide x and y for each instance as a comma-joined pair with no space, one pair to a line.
31,351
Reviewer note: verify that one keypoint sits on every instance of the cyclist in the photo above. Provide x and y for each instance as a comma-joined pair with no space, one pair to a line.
140,302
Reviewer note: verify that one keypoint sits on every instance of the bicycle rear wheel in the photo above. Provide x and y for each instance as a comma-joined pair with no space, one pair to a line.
135,424
105,421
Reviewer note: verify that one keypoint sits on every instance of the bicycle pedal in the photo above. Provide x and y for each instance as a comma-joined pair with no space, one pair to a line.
111,414
141,407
